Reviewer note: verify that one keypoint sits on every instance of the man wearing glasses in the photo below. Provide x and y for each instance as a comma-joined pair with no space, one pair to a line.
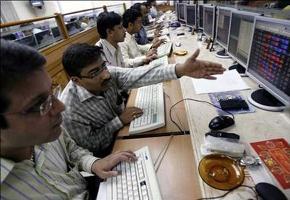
39,160
95,111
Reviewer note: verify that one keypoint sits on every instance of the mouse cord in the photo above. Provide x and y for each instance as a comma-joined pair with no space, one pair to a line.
225,194
170,115
200,101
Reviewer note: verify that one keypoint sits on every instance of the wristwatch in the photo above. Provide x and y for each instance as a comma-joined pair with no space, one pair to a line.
249,160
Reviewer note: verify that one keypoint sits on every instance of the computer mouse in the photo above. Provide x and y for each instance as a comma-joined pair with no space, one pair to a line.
178,44
220,122
269,192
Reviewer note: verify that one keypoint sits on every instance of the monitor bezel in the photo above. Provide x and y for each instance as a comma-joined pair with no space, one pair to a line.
177,10
277,93
229,53
200,27
216,30
184,11
213,24
190,5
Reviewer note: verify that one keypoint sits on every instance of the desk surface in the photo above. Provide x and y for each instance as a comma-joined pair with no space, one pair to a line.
172,94
252,127
177,173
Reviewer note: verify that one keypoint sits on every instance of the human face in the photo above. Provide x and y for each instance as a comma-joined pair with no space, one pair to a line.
95,77
26,127
137,25
118,33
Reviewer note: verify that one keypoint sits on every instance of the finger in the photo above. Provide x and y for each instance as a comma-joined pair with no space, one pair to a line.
194,55
129,154
107,174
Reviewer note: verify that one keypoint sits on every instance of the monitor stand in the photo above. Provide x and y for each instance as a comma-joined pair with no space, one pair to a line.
266,101
241,70
222,54
209,46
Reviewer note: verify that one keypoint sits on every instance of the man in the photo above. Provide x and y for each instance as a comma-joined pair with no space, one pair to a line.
135,55
111,32
153,10
38,159
141,36
95,111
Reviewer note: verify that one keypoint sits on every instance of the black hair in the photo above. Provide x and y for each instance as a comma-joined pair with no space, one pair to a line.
130,16
17,63
107,20
137,6
79,56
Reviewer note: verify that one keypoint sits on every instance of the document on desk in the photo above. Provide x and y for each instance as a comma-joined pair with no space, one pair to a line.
228,81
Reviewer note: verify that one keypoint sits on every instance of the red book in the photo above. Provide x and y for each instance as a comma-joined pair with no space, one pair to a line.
276,156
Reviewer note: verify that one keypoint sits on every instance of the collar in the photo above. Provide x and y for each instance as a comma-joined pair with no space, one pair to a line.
82,93
109,46
6,167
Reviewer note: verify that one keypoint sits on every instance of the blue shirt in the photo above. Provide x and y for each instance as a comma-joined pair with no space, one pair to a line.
141,37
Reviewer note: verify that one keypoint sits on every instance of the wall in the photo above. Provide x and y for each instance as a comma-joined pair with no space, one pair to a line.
25,11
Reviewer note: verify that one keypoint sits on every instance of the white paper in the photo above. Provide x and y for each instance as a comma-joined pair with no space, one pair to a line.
228,81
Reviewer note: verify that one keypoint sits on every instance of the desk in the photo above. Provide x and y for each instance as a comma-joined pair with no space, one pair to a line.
172,94
252,127
177,173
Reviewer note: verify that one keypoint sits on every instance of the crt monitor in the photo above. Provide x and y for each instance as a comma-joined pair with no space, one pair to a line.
223,25
191,15
241,30
200,16
44,38
181,9
269,63
209,20
28,40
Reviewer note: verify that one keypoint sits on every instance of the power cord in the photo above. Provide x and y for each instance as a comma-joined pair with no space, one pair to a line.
225,194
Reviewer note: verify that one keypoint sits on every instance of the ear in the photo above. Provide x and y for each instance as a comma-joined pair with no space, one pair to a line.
108,31
76,80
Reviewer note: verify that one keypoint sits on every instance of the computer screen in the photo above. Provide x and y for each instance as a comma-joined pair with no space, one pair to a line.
56,33
181,12
28,40
269,59
209,20
200,16
73,28
241,30
191,15
10,36
223,25
44,38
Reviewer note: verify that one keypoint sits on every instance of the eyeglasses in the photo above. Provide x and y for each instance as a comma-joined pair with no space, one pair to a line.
97,71
44,106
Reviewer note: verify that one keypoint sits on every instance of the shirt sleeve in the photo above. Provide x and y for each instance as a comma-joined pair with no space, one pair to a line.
95,139
78,155
130,62
145,48
128,78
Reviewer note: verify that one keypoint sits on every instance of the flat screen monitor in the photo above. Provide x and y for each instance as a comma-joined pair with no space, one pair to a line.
56,33
181,9
269,63
223,25
191,15
200,16
209,21
241,30
28,40
73,28
10,36
44,38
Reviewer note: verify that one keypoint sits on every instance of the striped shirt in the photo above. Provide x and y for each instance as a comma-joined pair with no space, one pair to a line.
53,175
92,119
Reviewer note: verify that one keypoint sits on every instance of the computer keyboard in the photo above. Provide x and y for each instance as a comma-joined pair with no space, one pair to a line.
137,180
150,99
159,61
164,49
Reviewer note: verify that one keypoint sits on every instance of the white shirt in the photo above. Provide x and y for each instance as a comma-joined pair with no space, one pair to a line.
111,54
133,54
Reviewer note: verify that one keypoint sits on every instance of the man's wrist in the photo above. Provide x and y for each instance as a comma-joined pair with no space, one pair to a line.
178,70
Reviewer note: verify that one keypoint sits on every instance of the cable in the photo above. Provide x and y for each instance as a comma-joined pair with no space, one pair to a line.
196,100
225,194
